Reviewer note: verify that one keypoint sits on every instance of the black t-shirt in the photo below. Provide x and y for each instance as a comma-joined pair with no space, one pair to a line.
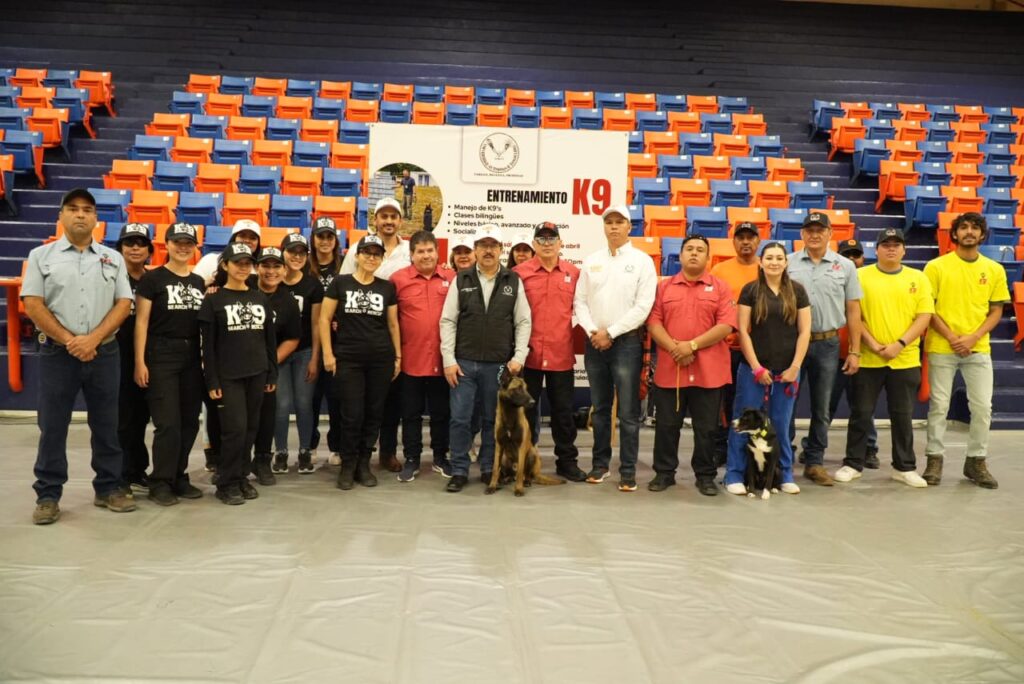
307,292
238,336
286,315
326,273
176,301
126,333
774,340
362,317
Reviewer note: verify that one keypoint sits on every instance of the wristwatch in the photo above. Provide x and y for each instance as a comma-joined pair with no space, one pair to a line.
693,346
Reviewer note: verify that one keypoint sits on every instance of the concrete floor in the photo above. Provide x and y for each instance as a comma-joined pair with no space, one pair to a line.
866,582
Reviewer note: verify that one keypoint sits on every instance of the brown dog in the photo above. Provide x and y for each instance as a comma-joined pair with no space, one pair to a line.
515,454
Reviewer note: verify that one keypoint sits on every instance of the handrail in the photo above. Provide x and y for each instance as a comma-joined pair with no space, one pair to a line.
13,286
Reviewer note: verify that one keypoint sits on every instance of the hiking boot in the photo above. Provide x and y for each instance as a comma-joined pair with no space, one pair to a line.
280,462
410,470
186,490
115,501
263,471
230,495
389,462
305,462
46,512
933,471
161,494
346,476
818,475
976,471
247,490
363,474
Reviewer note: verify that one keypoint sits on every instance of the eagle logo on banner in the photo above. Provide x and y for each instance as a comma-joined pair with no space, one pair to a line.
499,153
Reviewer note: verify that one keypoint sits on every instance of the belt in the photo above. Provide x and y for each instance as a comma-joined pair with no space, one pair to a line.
823,335
46,341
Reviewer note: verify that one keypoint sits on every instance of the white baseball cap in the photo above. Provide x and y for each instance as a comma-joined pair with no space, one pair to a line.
389,202
523,237
488,230
245,224
463,241
617,209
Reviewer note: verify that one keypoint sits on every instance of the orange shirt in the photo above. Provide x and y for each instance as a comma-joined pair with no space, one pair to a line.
736,275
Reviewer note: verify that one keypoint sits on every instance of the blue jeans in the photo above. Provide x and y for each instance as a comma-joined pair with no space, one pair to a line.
479,380
61,376
817,377
294,395
616,369
750,394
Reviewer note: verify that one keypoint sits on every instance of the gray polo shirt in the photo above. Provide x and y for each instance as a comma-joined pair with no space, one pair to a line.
78,287
830,284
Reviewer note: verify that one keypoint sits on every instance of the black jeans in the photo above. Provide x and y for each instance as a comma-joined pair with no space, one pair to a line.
326,387
560,386
239,410
175,398
264,443
132,418
703,404
392,417
430,392
900,392
362,386
728,396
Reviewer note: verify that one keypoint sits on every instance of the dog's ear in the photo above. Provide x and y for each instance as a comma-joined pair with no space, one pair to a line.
504,377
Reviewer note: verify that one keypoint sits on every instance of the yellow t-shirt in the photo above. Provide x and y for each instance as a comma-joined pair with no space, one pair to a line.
963,291
891,303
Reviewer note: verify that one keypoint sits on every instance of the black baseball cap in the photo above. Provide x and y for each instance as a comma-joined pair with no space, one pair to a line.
77,193
746,227
817,218
850,246
236,251
182,231
892,234
325,224
134,230
269,254
546,229
369,241
294,240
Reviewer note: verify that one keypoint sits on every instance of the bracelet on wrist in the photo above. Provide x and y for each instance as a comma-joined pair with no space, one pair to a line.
854,354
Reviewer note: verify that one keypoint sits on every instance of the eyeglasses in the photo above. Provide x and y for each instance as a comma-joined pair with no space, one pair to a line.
372,255
546,241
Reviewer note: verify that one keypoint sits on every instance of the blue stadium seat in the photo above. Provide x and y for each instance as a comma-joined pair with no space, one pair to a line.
943,113
671,103
786,244
428,93
939,131
366,91
765,145
998,154
354,132
20,145
807,195
174,176
200,208
733,105
395,112
76,101
675,166
999,134
307,153
112,231
492,96
215,238
729,193
708,221
236,85
935,151
155,147
60,78
204,126
299,88
342,182
8,95
786,221
1006,255
259,105
13,118
465,115
326,109
1000,115
696,143
291,211
870,251
5,73
922,206
550,98
362,216
932,173
259,180
1002,230
822,113
651,191
749,168
587,119
524,117
998,200
716,123
282,129
605,100
879,129
231,151
998,176
1000,220
636,142
868,156
886,111
651,121
670,248
111,205
187,103
636,220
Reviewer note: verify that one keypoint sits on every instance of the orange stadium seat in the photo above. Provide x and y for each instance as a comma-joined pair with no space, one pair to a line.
844,132
238,205
893,178
690,192
129,174
684,122
641,102
223,105
661,142
365,111
195,150
221,178
842,227
294,107
784,169
756,215
301,180
27,78
971,114
341,209
31,98
962,198
731,145
314,130
520,98
642,166
619,120
969,132
702,104
202,83
856,110
152,206
101,89
1018,310
275,236
52,123
965,175
903,150
914,111
463,95
495,116
650,246
246,128
555,117
271,152
909,130
429,113
274,87
749,124
712,167
579,99
661,221
336,90
169,124
397,92
350,156
966,153
769,194
721,249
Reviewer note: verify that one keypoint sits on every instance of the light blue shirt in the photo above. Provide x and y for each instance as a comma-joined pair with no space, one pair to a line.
830,283
78,287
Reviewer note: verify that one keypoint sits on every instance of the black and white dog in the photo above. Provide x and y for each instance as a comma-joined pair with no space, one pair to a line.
763,452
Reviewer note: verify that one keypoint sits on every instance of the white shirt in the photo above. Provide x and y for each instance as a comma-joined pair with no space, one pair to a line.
398,259
207,267
615,292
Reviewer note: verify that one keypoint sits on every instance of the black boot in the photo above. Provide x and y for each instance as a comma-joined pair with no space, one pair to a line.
363,474
261,469
346,476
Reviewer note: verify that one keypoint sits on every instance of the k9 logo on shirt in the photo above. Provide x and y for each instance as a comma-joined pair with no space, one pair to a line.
366,303
246,316
183,297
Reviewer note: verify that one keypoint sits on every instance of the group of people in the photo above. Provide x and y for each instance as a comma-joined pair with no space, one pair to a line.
387,334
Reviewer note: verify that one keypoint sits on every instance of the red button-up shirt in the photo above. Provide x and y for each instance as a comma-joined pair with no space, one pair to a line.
550,296
420,300
688,309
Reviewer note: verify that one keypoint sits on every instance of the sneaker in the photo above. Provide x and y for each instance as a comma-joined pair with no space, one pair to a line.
456,483
871,461
627,484
306,462
115,501
442,467
737,488
571,472
46,512
818,475
186,490
597,475
847,474
161,494
409,471
909,478
707,486
211,460
280,462
139,483
230,495
790,488
334,459
247,490
661,482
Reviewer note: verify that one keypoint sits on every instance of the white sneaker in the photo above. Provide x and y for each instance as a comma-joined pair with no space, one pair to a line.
737,488
846,474
909,478
335,459
790,488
